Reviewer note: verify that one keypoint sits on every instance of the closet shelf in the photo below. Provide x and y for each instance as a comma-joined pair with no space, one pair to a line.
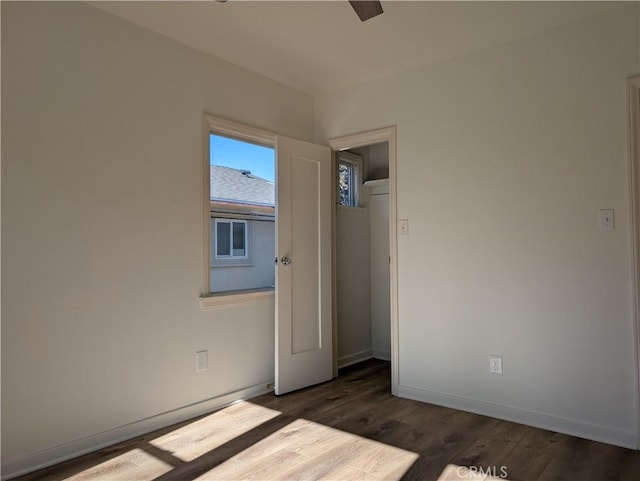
376,182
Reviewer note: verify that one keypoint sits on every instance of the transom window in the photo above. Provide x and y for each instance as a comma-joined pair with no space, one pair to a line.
348,169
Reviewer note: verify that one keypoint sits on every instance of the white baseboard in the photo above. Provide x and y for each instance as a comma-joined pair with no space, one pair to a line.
47,457
573,427
382,355
355,358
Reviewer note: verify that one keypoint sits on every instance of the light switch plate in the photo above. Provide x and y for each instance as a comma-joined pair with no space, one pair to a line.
403,226
607,219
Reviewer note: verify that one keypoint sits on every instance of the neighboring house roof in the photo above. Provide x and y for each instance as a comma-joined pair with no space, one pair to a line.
240,187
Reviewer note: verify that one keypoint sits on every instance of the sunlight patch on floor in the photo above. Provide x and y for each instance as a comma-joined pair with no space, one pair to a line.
134,464
307,450
195,439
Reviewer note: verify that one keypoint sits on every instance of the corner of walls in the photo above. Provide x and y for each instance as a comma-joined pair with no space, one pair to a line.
102,219
504,158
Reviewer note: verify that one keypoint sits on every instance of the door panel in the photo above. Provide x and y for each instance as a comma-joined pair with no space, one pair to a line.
303,281
305,229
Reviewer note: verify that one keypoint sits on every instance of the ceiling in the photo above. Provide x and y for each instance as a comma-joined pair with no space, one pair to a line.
319,46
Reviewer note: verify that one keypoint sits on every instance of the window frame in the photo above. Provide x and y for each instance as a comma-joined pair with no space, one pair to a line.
231,256
235,130
355,161
237,261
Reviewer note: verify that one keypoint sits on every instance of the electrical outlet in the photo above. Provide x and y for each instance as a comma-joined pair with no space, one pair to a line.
495,365
202,361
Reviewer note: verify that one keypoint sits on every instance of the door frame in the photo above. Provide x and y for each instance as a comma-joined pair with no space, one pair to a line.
633,150
352,141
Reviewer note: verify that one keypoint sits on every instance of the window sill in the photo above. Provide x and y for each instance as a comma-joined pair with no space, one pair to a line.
223,300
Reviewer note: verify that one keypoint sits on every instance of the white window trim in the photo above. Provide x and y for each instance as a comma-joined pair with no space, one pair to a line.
231,256
233,299
228,128
356,161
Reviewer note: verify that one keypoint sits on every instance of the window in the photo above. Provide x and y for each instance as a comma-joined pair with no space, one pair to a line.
240,207
231,239
348,170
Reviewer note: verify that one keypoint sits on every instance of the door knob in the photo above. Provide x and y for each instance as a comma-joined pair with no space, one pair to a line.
285,261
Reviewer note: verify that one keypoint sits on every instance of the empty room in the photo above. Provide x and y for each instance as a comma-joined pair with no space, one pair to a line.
320,240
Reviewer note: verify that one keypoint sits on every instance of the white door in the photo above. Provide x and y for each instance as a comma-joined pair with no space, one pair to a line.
303,349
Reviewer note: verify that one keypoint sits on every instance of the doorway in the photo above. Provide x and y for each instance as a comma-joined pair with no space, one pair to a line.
365,320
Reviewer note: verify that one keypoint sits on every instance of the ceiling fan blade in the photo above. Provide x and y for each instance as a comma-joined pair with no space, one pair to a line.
366,9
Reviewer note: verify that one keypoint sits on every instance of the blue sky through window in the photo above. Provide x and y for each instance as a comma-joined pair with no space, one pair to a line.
242,155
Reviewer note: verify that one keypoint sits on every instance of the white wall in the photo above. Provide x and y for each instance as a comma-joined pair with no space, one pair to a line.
102,228
380,292
505,157
353,280
378,161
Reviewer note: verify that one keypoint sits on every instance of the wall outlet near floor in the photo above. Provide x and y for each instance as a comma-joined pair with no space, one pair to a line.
495,365
202,360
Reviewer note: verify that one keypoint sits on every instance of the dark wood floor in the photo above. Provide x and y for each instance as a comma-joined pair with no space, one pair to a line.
349,428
